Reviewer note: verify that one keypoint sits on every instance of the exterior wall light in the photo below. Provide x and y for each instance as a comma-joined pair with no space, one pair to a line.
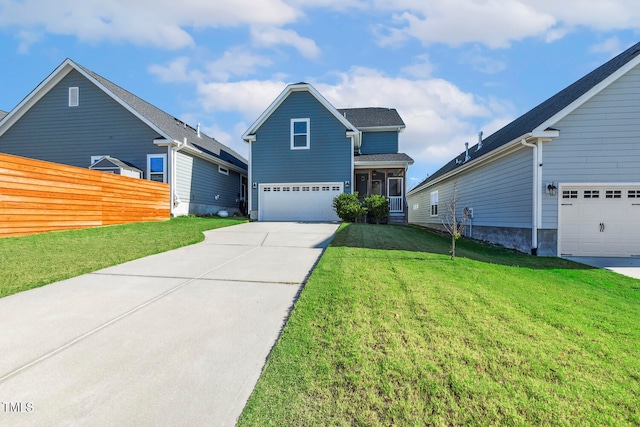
255,185
552,189
346,184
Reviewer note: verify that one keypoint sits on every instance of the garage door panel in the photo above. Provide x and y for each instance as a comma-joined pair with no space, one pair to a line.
298,201
599,220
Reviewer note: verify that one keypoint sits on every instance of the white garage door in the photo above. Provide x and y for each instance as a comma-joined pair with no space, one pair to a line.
298,201
599,220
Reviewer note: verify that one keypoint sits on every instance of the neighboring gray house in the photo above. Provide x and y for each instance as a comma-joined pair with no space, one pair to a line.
3,114
563,179
304,152
77,117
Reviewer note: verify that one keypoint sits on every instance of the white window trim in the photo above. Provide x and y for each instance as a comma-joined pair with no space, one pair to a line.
434,202
155,156
74,96
223,170
308,134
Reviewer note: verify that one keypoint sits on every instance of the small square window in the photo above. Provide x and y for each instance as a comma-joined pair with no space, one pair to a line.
570,194
300,134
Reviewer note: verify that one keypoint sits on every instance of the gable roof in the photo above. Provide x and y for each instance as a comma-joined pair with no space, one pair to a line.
545,115
167,126
108,161
249,135
373,117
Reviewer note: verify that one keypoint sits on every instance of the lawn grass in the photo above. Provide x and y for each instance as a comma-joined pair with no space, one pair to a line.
31,261
390,331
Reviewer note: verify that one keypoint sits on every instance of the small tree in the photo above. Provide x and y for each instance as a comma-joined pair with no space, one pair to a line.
377,207
348,207
450,221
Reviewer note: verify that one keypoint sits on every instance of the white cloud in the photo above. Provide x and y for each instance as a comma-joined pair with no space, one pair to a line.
494,23
497,23
249,98
235,62
421,67
483,63
159,23
175,72
271,36
611,46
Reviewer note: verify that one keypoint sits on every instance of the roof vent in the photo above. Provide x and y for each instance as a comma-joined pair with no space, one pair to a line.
467,157
198,131
479,141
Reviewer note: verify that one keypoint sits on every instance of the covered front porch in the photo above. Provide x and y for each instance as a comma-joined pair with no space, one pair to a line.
384,175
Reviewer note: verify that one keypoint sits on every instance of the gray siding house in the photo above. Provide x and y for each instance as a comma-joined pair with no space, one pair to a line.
76,117
561,180
304,152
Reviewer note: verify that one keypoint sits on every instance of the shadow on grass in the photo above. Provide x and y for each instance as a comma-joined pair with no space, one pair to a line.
416,239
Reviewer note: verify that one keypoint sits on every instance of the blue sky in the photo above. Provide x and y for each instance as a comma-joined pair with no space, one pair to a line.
450,67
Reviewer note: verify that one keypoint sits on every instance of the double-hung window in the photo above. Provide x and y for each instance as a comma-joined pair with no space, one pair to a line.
157,167
434,203
300,134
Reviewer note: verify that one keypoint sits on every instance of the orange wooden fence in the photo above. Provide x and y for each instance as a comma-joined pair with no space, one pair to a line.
37,196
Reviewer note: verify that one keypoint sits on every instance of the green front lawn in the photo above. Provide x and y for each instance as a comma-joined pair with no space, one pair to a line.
31,261
389,331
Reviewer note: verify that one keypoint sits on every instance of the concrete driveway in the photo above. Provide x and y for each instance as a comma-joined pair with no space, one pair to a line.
625,266
178,338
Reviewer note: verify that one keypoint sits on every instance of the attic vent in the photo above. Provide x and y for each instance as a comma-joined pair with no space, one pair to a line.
74,96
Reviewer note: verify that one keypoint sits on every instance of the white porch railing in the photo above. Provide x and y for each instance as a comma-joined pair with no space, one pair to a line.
395,204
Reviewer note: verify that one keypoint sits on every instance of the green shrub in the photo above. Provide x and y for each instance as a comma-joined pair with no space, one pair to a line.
348,207
377,207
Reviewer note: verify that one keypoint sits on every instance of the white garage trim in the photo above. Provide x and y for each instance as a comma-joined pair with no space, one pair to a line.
298,201
599,219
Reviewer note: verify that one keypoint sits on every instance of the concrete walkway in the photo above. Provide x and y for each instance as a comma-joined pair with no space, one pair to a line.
625,266
178,338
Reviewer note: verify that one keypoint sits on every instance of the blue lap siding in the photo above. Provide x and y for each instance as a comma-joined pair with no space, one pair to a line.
379,142
327,160
55,132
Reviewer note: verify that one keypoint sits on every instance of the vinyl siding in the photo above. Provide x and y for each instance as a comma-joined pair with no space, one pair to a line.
500,193
184,176
379,142
55,132
598,142
198,181
327,160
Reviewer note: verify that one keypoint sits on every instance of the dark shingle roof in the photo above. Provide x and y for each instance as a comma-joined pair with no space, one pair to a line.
3,114
539,114
391,157
172,126
372,117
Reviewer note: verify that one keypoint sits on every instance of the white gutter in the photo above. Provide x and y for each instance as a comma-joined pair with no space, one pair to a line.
537,200
250,179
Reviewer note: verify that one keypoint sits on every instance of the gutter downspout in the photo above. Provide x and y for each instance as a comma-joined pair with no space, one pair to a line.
173,149
536,198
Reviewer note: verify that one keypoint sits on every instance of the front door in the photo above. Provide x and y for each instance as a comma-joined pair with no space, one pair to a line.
362,184
376,187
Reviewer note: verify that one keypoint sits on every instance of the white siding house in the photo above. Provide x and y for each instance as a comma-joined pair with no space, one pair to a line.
561,180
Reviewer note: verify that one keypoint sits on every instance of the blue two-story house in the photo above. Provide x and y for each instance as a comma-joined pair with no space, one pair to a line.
304,152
